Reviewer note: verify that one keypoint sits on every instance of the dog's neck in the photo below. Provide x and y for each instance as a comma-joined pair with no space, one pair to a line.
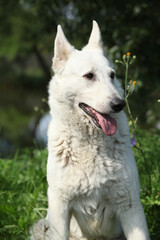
72,126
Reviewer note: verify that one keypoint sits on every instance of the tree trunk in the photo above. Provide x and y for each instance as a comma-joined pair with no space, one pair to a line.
42,63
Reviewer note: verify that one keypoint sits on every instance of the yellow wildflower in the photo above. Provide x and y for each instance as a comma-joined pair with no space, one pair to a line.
134,82
128,53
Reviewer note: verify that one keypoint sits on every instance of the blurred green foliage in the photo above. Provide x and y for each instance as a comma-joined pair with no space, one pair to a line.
27,33
28,28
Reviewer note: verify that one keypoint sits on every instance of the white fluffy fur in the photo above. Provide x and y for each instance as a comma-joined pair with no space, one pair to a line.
93,186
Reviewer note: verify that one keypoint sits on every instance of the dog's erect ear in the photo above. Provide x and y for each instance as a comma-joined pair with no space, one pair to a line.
62,50
95,38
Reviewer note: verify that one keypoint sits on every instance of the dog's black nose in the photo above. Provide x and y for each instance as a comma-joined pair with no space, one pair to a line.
117,104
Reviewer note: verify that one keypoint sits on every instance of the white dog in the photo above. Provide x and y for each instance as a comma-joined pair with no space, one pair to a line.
93,190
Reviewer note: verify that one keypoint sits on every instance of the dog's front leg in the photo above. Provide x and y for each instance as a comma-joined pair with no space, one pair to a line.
134,223
58,215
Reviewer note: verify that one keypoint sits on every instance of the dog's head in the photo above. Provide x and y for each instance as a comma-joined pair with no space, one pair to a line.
85,81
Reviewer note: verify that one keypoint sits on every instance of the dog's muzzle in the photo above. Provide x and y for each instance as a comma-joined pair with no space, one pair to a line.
117,105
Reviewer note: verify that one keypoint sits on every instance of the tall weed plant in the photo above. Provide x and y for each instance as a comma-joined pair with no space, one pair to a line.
146,147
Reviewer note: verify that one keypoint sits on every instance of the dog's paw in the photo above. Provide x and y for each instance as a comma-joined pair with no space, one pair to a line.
41,230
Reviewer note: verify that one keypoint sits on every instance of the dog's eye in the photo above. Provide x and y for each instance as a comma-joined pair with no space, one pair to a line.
89,75
112,75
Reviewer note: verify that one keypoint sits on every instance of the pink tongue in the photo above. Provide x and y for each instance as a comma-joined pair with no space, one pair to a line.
108,124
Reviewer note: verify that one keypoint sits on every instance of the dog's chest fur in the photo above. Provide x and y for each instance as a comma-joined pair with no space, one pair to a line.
82,166
92,177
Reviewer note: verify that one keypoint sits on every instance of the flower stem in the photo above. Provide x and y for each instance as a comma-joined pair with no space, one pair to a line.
126,78
139,146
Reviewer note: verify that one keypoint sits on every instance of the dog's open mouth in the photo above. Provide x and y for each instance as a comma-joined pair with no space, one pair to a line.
101,120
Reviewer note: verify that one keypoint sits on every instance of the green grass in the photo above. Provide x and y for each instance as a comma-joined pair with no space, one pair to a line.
149,174
23,196
23,191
